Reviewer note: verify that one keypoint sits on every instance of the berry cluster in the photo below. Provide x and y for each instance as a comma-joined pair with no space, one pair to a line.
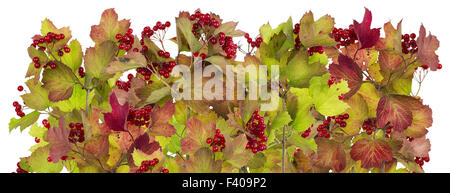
50,64
217,142
202,55
18,107
388,132
164,170
49,38
256,127
202,20
323,128
126,40
340,119
369,125
253,43
81,72
345,37
410,139
139,117
421,160
76,133
36,62
19,170
125,85
305,134
46,123
297,39
318,49
145,165
228,45
164,54
409,45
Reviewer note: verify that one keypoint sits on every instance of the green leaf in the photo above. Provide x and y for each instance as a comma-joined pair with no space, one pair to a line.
326,98
184,32
37,131
74,58
98,57
300,71
303,118
38,97
59,82
302,143
24,122
39,164
316,33
281,120
76,101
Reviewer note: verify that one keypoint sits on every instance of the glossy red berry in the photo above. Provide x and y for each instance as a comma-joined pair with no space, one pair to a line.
20,88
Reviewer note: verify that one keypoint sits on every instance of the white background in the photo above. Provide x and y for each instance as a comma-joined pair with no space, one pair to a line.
20,20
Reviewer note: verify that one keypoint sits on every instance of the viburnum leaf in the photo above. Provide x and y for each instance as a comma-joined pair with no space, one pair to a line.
59,81
39,164
358,112
371,96
74,58
24,122
130,61
427,45
276,41
393,109
367,37
305,144
196,135
76,101
371,152
304,102
422,117
34,52
393,39
185,35
282,119
37,131
390,61
202,162
229,28
419,147
235,152
97,58
330,154
326,98
38,97
348,70
117,118
302,161
299,71
316,33
58,137
98,146
160,118
108,28
48,26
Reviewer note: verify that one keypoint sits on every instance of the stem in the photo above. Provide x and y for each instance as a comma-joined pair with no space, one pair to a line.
283,167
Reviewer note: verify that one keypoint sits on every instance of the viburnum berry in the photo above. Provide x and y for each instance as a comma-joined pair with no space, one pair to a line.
421,160
37,140
76,134
164,170
147,164
66,49
140,116
256,127
344,37
217,142
49,159
369,125
19,169
439,66
315,49
20,88
126,40
409,45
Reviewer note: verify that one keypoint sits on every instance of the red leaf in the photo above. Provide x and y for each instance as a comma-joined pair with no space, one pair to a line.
146,145
348,70
330,154
371,152
394,110
59,141
427,45
117,118
160,119
367,37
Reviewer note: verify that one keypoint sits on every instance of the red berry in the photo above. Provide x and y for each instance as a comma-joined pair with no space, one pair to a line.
20,88
49,159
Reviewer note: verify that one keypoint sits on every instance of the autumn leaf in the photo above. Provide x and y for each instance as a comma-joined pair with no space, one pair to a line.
348,70
58,137
330,154
59,81
427,45
108,28
316,33
367,37
390,61
160,118
130,61
371,152
235,152
394,111
422,117
196,135
117,118
97,58
203,162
